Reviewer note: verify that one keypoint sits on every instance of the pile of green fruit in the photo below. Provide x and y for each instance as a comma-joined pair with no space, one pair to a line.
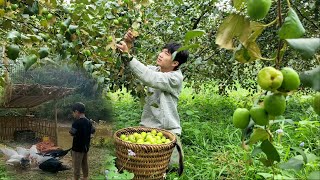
279,83
152,137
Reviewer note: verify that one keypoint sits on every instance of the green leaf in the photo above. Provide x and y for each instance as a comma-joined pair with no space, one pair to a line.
314,175
184,48
146,2
256,151
266,162
73,28
233,26
178,2
258,134
290,121
13,35
310,157
311,78
192,34
32,10
188,47
238,4
249,54
257,29
67,22
305,159
292,163
135,25
189,112
265,175
292,27
270,151
282,177
307,47
128,175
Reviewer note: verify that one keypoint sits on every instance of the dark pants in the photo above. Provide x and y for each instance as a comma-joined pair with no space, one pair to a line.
80,160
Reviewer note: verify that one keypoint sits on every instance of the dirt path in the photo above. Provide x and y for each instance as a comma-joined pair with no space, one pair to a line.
96,156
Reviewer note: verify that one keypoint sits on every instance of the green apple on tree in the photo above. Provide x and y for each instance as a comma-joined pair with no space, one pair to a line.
275,104
270,79
258,9
291,80
241,118
259,115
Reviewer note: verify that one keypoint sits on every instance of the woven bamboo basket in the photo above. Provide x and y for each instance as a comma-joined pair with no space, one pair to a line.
151,160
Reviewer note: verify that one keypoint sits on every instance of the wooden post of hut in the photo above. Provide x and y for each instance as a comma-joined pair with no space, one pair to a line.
56,120
6,65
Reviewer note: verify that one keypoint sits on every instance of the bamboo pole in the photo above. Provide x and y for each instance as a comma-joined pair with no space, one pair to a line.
56,121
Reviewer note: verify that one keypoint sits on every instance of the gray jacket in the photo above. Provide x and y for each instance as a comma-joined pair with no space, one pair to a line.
160,109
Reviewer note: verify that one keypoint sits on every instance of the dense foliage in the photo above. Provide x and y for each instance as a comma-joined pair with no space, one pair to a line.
84,33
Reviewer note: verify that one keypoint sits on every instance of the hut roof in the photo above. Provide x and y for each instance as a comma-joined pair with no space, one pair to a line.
31,95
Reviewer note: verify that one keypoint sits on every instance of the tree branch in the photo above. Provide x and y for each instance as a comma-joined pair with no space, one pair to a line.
278,59
195,25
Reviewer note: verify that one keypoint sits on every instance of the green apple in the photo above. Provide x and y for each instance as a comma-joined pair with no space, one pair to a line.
157,137
132,138
153,132
143,134
139,136
135,134
241,118
258,9
123,136
159,134
167,141
270,78
159,141
259,115
275,104
116,21
291,80
163,139
148,137
140,141
49,16
153,141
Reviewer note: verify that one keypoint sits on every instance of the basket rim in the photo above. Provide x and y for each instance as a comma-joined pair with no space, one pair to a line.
119,131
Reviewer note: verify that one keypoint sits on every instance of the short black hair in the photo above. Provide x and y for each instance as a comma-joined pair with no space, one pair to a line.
79,106
181,56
